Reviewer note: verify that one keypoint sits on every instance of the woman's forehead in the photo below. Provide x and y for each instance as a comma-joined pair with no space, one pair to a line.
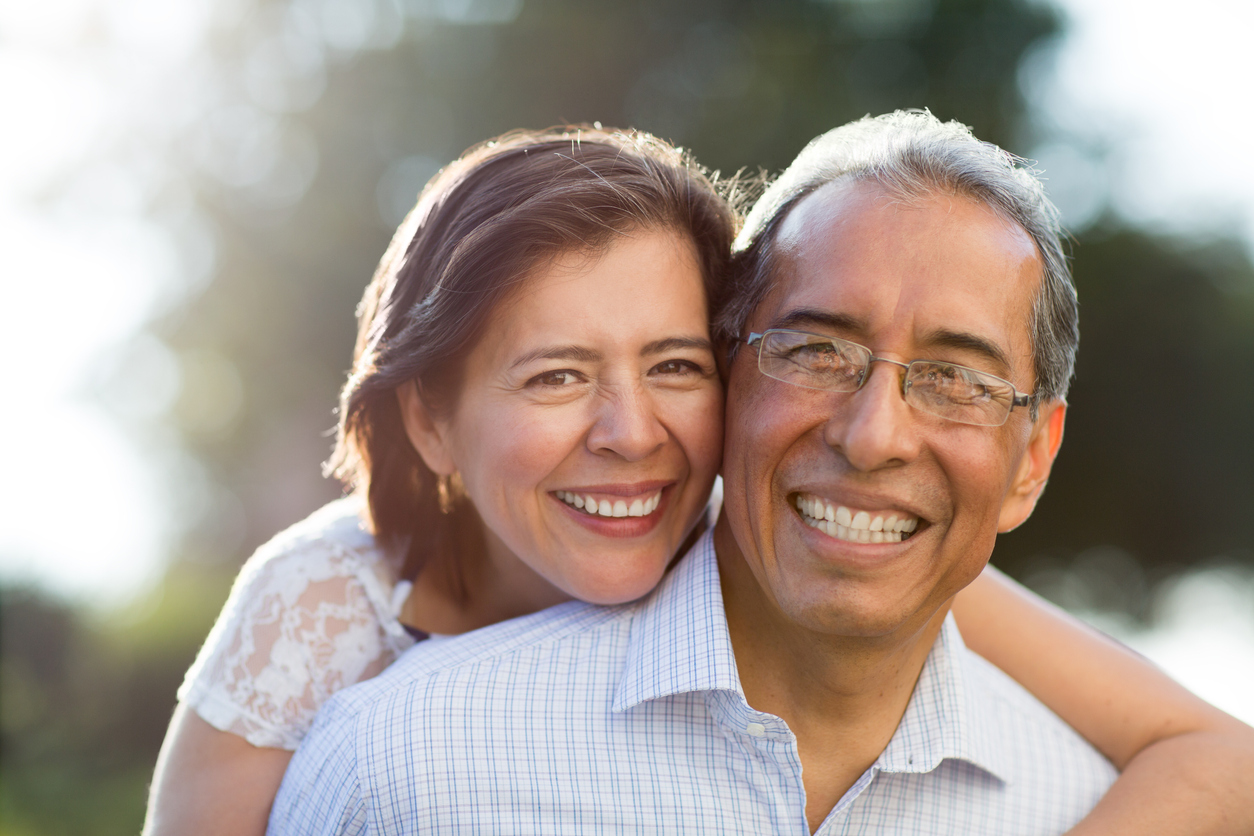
644,283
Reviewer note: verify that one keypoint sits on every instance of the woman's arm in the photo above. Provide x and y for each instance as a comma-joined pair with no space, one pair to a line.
1188,768
308,616
210,782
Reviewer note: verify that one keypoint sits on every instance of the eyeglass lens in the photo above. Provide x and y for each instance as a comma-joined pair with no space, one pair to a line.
835,365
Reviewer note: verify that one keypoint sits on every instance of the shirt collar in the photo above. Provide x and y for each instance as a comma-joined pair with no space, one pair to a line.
679,641
948,716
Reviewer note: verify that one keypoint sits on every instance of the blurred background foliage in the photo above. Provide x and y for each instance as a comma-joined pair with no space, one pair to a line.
325,118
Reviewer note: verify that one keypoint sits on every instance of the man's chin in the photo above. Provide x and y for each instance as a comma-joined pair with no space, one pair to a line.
847,610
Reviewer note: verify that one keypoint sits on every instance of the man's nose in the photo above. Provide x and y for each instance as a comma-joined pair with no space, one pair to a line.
874,427
627,424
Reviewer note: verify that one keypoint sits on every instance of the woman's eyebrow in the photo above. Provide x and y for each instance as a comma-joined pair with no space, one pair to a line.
677,343
559,352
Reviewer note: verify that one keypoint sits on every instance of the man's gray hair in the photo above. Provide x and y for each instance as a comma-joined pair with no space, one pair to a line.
912,154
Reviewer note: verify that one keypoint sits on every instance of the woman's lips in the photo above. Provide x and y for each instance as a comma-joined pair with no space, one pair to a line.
623,513
611,506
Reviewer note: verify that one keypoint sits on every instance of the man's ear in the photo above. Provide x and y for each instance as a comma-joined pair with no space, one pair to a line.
428,436
1034,467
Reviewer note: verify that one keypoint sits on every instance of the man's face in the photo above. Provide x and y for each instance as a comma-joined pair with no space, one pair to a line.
937,278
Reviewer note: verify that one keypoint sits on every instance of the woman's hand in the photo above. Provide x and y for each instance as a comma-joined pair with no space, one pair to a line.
211,782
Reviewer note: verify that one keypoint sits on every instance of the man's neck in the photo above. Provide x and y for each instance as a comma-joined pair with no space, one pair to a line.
842,696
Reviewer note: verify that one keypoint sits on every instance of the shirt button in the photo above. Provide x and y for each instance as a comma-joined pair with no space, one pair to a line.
755,730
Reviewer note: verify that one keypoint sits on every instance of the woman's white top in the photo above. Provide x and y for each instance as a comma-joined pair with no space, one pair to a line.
314,610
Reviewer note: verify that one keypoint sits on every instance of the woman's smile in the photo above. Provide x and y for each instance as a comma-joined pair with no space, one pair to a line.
616,511
600,502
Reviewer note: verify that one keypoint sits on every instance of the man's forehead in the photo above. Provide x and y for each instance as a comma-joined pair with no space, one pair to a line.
820,221
941,269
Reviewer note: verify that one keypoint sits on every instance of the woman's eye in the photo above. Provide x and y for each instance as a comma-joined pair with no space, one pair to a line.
673,367
559,378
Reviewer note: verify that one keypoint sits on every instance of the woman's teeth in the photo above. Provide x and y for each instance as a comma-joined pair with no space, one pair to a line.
854,526
611,508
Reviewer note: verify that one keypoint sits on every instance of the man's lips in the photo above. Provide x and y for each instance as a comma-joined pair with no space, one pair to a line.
855,525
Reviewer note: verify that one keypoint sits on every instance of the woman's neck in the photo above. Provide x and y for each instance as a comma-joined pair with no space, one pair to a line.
503,587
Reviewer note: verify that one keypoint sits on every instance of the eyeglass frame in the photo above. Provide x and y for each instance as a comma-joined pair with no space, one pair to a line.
757,340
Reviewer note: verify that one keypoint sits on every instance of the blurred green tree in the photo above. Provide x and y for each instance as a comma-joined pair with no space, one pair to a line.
85,698
1159,458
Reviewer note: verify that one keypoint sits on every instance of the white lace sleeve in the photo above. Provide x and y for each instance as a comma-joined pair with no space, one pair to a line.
307,616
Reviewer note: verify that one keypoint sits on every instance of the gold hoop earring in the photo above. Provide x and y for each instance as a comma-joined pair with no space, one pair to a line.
443,495
447,490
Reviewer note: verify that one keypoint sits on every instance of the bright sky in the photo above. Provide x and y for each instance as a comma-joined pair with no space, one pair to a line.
1167,87
92,495
82,511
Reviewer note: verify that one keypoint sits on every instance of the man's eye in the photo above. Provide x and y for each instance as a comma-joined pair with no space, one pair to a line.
957,384
818,357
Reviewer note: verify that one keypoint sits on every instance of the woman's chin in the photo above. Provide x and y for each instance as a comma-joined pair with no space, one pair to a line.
608,589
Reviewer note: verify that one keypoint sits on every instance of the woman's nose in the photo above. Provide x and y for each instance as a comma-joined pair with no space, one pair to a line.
627,425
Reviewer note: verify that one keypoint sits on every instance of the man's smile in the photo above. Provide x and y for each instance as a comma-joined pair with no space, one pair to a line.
852,524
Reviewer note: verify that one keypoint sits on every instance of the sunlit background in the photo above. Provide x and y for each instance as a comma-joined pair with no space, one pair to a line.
194,193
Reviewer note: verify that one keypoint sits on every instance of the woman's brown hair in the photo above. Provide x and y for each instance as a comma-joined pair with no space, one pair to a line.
480,227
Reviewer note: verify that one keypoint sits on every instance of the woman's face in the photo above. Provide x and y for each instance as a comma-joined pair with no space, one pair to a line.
589,427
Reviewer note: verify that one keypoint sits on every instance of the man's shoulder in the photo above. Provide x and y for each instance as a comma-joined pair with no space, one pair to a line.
1009,703
521,649
996,759
1039,744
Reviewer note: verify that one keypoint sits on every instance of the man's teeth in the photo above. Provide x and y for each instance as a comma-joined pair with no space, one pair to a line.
855,526
607,508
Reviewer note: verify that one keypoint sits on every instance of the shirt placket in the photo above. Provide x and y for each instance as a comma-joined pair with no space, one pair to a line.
772,759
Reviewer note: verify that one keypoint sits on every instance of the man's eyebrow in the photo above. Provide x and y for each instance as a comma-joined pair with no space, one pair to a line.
558,352
831,322
963,341
803,318
676,344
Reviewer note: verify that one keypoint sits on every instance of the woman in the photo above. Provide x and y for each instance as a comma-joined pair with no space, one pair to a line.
534,415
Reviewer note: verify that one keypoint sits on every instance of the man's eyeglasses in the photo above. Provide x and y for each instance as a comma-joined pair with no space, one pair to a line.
831,364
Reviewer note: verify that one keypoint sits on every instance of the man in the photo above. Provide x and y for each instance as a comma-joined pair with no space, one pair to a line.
796,672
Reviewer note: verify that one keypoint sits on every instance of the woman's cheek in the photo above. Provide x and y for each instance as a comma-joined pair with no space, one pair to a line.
531,444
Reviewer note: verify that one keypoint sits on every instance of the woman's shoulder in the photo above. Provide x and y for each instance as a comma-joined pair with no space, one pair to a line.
339,525
333,541
329,553
314,609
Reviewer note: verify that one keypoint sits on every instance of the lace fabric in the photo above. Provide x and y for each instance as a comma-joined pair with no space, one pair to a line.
313,611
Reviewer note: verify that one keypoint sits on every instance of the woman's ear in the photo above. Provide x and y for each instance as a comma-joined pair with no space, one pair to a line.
429,436
1034,467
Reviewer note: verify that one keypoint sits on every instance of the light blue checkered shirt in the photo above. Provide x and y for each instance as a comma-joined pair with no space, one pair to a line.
631,719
